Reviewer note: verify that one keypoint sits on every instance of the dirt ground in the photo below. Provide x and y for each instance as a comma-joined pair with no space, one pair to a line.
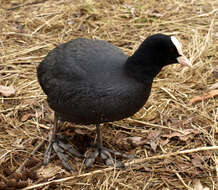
174,135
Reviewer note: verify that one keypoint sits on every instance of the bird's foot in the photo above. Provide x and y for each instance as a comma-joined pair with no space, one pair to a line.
63,151
105,154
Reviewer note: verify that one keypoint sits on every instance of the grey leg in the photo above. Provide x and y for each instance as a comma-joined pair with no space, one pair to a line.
99,137
104,153
52,134
60,146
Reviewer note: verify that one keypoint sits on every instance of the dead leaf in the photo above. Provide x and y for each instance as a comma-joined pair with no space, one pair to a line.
215,72
128,142
153,138
25,117
153,146
38,114
187,134
199,186
7,90
136,141
49,171
154,134
155,13
214,86
18,143
197,162
216,163
123,142
164,142
210,94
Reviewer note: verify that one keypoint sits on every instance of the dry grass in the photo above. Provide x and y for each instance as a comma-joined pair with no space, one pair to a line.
170,128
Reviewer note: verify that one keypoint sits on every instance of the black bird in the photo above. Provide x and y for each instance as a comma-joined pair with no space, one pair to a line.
92,81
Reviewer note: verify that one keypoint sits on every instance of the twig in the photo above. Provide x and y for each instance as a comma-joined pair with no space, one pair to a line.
46,23
27,159
193,17
206,41
34,48
155,125
163,156
128,164
180,178
24,4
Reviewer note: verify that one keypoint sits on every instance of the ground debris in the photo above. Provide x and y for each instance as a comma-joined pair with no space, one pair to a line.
7,90
210,94
168,123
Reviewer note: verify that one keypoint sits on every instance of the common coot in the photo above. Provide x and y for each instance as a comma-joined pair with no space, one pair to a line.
92,81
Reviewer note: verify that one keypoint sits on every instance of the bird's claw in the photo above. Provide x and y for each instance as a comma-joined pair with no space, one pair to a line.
105,155
63,151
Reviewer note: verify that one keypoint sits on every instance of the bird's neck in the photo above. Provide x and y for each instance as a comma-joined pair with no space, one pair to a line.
142,66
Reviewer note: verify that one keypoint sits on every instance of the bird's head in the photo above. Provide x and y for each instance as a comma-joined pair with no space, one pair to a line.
166,50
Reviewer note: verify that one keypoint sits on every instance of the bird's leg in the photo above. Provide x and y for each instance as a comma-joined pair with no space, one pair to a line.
94,154
104,153
51,139
99,137
60,146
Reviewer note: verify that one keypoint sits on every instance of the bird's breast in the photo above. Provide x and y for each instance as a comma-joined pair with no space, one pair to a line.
97,105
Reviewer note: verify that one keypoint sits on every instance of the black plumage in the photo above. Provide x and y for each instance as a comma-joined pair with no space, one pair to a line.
92,81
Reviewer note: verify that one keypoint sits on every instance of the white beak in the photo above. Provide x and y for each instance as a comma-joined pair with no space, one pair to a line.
184,61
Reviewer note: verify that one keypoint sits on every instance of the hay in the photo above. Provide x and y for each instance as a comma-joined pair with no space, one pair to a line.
167,124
